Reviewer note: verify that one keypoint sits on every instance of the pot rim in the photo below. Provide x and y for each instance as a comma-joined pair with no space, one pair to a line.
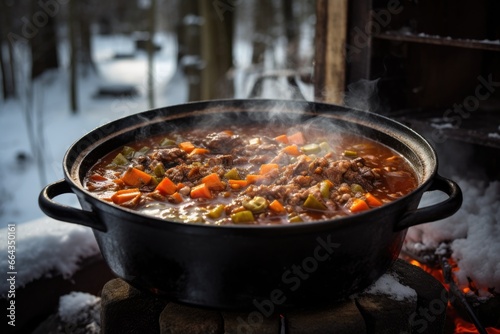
398,131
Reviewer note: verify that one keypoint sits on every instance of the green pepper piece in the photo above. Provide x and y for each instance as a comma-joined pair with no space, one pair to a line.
167,142
120,160
232,174
142,151
311,149
242,217
256,204
356,188
216,212
159,170
128,152
313,203
350,153
324,188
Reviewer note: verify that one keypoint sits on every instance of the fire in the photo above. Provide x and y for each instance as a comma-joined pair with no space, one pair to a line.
461,325
436,273
465,327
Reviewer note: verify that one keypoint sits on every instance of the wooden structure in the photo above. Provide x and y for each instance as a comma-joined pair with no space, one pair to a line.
420,45
427,60
123,311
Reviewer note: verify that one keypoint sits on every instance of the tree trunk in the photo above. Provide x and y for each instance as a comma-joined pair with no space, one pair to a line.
73,49
85,37
189,47
216,50
151,51
6,65
291,33
43,43
263,32
5,90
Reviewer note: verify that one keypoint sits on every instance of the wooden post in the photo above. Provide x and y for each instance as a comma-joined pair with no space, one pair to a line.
329,67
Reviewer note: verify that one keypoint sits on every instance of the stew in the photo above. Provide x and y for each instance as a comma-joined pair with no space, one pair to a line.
252,175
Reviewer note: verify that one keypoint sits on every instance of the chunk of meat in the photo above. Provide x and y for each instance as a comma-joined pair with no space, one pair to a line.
222,142
169,156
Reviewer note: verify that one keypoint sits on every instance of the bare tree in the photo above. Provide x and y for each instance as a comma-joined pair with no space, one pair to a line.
85,37
6,64
292,26
264,35
217,55
151,51
73,49
43,40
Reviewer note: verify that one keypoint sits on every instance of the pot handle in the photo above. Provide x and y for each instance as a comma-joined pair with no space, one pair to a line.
63,212
437,211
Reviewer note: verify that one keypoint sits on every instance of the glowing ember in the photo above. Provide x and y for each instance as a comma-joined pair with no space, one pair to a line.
461,325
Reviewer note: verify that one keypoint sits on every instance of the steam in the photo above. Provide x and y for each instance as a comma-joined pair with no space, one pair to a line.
363,95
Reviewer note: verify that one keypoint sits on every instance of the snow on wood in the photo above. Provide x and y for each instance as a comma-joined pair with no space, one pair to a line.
47,247
389,285
72,305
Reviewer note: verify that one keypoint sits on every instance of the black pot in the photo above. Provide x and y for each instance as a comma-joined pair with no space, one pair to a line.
250,266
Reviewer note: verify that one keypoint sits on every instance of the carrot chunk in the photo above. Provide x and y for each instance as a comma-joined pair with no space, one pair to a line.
125,195
176,198
135,178
97,177
282,139
292,150
372,200
166,187
253,178
237,184
277,207
200,191
266,168
199,150
187,146
296,138
358,205
213,181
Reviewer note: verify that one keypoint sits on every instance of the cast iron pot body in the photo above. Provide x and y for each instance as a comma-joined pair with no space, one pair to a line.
242,266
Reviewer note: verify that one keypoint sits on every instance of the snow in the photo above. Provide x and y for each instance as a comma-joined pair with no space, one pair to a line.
72,304
44,247
81,312
474,229
389,285
494,135
442,125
